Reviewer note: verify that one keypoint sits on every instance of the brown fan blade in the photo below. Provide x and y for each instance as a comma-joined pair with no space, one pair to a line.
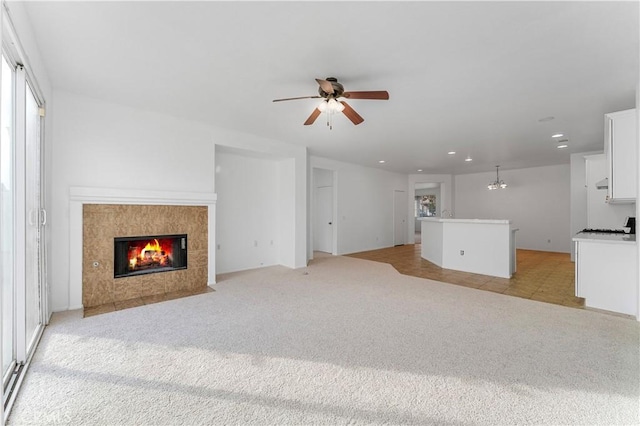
351,114
325,85
316,112
379,94
293,99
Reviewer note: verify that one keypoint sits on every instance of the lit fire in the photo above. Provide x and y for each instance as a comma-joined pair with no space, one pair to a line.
152,255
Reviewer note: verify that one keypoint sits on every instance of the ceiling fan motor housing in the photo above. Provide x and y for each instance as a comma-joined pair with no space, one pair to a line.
338,89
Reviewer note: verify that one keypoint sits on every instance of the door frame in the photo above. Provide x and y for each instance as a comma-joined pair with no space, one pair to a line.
402,215
312,216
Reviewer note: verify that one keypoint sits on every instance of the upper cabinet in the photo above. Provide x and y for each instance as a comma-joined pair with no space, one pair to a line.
620,147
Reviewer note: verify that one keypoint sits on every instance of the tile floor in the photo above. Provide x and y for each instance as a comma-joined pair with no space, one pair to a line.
140,301
541,275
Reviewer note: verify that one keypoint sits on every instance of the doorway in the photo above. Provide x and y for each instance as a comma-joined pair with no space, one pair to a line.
427,203
323,211
399,218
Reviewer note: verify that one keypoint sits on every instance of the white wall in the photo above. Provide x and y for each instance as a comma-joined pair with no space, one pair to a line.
100,144
578,220
600,213
537,201
247,209
364,204
603,215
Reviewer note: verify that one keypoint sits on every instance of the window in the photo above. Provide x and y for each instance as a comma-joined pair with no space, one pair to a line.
425,205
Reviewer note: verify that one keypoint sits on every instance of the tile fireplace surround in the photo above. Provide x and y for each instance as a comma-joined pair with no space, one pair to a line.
97,215
102,223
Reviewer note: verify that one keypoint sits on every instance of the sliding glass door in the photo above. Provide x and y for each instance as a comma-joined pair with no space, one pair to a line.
7,234
22,220
35,220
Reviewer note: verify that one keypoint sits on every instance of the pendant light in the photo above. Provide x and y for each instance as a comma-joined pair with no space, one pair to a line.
498,184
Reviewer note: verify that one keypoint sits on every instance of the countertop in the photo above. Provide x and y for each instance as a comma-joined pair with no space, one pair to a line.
453,220
605,238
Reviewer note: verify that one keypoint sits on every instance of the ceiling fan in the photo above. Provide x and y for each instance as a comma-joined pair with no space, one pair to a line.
330,90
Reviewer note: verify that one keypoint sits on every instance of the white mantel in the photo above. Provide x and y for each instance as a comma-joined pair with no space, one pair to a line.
79,195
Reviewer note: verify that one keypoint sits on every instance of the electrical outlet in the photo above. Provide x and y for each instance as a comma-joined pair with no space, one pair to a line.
461,252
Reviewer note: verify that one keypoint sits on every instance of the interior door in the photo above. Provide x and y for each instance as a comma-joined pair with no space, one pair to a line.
323,223
400,213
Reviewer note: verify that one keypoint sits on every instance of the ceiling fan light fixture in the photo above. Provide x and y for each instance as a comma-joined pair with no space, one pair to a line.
330,106
330,90
334,106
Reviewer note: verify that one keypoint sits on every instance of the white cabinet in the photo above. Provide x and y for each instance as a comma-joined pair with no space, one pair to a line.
620,147
606,275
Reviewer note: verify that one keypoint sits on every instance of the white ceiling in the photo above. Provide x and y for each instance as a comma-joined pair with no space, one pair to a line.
473,77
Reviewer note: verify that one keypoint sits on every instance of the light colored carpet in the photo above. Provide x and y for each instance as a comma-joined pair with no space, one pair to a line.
344,341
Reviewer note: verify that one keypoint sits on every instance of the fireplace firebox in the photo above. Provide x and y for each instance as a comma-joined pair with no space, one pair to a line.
149,254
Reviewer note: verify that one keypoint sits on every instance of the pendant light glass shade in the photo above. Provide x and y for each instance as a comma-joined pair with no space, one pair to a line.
497,184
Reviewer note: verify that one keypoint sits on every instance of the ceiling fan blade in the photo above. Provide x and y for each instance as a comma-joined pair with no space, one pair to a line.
293,99
325,85
316,112
351,114
378,94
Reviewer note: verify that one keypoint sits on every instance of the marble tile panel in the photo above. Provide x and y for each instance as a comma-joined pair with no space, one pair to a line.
98,292
125,289
100,309
130,303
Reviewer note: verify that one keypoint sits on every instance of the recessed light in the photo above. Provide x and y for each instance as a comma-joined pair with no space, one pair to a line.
419,170
468,159
381,161
543,119
557,135
562,145
451,152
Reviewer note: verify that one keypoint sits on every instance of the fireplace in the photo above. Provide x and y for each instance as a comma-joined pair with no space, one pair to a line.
101,224
149,254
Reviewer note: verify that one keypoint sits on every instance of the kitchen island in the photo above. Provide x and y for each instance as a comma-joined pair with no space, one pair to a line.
606,276
481,246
